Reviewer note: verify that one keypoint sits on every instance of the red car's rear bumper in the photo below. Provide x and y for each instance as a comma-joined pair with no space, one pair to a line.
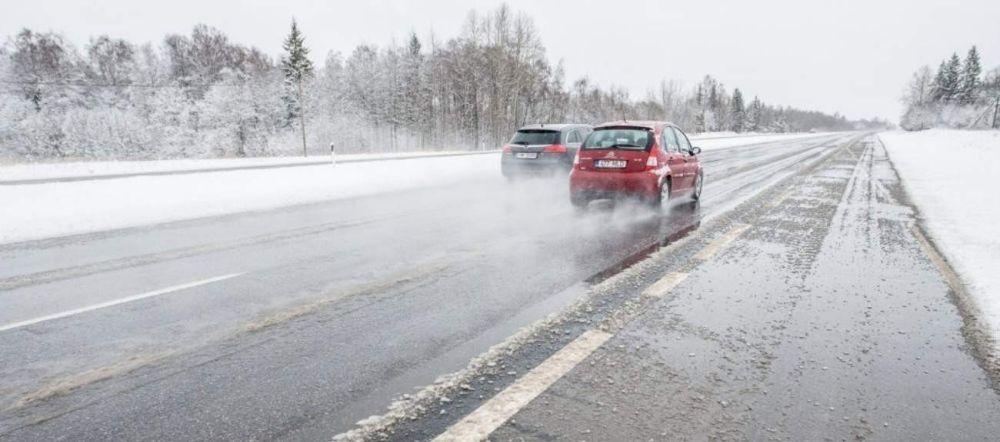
594,184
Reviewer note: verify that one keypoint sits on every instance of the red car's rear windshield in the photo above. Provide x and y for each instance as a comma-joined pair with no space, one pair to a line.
535,136
629,138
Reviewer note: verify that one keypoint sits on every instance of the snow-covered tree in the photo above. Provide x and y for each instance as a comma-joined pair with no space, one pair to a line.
201,94
952,79
737,113
939,90
968,84
919,100
754,114
950,99
297,69
920,91
46,69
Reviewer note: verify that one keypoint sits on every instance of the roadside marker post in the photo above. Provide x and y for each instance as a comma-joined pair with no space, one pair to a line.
333,156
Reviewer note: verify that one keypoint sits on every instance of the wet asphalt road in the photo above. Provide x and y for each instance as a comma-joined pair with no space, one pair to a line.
824,319
337,307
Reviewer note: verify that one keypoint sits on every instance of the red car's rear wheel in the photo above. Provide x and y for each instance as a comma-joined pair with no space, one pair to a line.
699,182
663,196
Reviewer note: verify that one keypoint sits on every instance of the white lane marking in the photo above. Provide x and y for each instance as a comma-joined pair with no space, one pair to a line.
115,302
719,243
660,288
780,199
480,423
950,277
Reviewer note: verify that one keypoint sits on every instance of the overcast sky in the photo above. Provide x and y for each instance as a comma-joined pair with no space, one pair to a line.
848,56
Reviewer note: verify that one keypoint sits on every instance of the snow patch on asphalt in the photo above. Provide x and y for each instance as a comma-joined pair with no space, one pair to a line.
951,176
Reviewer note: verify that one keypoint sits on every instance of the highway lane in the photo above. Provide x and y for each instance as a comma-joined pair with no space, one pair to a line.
335,308
818,312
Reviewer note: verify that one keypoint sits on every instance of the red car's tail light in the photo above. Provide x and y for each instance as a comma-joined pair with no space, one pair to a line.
555,148
652,162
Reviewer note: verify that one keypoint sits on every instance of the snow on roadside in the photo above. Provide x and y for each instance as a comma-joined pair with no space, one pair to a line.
36,211
45,210
951,177
42,171
37,171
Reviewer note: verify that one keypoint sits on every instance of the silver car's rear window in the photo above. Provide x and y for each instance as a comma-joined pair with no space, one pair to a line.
535,136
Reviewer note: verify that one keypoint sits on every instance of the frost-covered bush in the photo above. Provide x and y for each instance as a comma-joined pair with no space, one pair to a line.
106,133
39,135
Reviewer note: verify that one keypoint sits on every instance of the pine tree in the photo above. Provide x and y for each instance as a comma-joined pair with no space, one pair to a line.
737,113
952,78
940,88
700,125
297,68
754,115
969,82
413,88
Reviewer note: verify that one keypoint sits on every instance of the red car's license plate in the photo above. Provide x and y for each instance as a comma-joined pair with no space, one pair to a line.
610,164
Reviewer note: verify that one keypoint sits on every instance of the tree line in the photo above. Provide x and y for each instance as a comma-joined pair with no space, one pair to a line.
203,95
957,95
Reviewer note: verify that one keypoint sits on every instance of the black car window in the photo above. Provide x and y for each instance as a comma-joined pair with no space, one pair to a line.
535,136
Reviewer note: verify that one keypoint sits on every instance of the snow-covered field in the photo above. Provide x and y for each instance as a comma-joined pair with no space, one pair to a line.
951,176
41,171
37,211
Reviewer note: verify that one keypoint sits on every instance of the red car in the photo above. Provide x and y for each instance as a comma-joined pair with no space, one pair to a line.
649,160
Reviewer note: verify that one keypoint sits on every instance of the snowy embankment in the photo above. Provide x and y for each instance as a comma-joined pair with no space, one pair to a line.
87,169
45,210
951,177
35,211
97,169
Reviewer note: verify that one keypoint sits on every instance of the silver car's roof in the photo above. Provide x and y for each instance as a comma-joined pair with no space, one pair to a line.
555,126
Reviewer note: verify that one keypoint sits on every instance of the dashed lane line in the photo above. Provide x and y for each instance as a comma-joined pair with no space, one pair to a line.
721,242
488,417
660,288
115,302
780,199
479,424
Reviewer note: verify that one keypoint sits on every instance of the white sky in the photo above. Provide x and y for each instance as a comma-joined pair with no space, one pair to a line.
848,56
